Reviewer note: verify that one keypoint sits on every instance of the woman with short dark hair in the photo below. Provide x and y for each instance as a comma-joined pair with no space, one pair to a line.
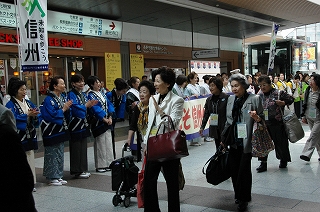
54,127
204,88
118,99
101,126
192,89
180,85
164,103
27,118
253,87
274,101
132,95
140,113
7,97
79,128
215,109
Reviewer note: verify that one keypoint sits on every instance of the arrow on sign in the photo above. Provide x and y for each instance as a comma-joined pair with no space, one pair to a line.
207,53
112,26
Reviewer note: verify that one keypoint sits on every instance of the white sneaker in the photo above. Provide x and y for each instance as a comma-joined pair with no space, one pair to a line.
34,190
101,170
55,183
63,182
83,175
208,139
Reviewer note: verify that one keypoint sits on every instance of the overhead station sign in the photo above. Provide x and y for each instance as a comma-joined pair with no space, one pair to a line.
83,25
209,53
7,15
68,23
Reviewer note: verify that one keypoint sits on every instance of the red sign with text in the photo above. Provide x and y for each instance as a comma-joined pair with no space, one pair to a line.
56,42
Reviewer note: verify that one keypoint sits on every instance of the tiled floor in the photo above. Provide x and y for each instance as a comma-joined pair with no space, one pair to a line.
296,188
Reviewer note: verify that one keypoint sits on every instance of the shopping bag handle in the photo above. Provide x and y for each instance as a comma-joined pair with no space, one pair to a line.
171,125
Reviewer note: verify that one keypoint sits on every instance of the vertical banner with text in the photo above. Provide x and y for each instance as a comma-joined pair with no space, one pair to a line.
136,65
33,42
275,28
113,68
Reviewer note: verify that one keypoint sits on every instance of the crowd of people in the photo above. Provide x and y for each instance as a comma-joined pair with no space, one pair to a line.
231,101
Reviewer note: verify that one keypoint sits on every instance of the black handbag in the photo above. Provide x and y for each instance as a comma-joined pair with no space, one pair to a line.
217,170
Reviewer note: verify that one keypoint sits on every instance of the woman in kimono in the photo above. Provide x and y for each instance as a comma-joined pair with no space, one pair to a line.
101,125
54,126
27,118
79,128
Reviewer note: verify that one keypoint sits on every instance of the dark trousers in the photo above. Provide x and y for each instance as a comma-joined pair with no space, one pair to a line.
215,133
137,152
297,109
78,156
170,172
114,121
240,167
281,143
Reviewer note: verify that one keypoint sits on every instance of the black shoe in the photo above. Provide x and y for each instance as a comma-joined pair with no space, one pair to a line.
237,201
283,164
242,206
303,157
262,167
319,159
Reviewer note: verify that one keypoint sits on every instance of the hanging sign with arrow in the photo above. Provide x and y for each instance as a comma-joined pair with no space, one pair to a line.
83,25
209,53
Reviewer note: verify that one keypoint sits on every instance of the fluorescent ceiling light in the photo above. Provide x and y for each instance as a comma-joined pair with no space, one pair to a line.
315,1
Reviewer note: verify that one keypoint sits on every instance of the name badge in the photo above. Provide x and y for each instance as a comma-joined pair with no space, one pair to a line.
313,113
266,114
213,119
153,131
242,130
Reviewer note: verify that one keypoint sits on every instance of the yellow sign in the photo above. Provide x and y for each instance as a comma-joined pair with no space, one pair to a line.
311,53
113,68
136,65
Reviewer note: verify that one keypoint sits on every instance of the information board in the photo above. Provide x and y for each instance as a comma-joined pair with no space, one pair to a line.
136,65
113,68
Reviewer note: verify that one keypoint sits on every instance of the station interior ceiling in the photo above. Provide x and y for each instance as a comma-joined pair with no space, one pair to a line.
228,18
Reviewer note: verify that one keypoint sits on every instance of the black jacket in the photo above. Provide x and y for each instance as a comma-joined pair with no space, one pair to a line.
222,100
131,98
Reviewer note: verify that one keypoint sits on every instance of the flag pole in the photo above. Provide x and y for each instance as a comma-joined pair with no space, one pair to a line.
18,37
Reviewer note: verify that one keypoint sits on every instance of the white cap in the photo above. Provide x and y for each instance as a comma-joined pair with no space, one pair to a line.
235,71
